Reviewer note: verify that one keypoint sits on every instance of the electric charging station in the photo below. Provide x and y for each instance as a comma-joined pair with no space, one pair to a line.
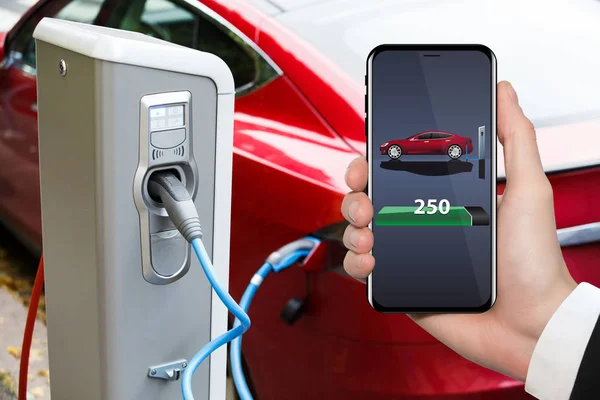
481,142
127,305
480,151
480,145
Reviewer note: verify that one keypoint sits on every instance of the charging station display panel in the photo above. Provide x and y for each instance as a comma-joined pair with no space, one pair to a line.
167,129
166,117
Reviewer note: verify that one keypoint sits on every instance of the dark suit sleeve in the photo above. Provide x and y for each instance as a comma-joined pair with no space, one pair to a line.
587,382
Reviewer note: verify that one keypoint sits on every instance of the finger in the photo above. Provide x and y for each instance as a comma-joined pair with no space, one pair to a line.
359,240
517,135
357,209
359,265
357,174
499,200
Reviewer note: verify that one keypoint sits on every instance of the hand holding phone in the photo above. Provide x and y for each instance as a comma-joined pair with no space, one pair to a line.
533,279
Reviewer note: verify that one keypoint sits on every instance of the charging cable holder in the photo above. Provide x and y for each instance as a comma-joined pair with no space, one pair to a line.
170,372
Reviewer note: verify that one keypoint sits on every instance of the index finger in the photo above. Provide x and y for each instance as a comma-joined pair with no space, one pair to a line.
357,174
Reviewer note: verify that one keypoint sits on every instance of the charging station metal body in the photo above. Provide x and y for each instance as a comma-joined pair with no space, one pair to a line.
114,313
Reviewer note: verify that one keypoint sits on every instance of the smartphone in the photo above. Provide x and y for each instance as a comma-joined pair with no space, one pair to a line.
431,148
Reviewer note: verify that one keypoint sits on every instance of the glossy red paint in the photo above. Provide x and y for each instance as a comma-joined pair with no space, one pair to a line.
329,89
336,367
342,349
19,176
2,38
356,353
284,159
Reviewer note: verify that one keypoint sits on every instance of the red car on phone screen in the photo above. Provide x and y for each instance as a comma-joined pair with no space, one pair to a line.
299,69
428,142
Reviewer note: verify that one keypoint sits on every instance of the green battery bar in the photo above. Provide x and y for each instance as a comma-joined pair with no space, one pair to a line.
456,216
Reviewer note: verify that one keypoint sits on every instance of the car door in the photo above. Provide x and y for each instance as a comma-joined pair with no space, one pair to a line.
422,144
446,140
19,177
437,142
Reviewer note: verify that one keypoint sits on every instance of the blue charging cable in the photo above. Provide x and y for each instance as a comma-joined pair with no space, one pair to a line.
236,345
276,262
166,187
213,345
279,260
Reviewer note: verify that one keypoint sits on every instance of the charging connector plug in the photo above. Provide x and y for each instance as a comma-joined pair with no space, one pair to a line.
292,252
167,187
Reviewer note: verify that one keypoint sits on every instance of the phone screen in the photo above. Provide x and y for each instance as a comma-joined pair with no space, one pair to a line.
432,155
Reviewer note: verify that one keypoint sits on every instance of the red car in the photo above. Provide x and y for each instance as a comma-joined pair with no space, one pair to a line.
428,142
299,66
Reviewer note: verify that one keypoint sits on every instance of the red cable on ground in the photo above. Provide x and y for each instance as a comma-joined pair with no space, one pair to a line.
28,334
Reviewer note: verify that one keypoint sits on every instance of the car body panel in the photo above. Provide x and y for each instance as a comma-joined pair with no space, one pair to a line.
19,175
337,97
2,39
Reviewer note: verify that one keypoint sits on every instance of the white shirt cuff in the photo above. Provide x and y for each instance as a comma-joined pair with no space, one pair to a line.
559,351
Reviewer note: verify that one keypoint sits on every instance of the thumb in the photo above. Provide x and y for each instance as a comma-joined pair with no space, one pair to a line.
516,133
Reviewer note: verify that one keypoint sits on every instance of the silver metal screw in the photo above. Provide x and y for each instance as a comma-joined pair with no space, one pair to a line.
183,365
62,67
153,372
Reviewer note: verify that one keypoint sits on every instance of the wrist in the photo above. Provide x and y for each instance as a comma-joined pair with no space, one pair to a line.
524,339
544,314
557,294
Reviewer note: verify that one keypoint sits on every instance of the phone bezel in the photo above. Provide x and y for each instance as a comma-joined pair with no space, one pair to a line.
493,226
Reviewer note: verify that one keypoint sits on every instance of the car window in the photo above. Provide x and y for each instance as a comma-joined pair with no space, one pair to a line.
170,21
443,136
23,44
424,136
174,21
84,11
